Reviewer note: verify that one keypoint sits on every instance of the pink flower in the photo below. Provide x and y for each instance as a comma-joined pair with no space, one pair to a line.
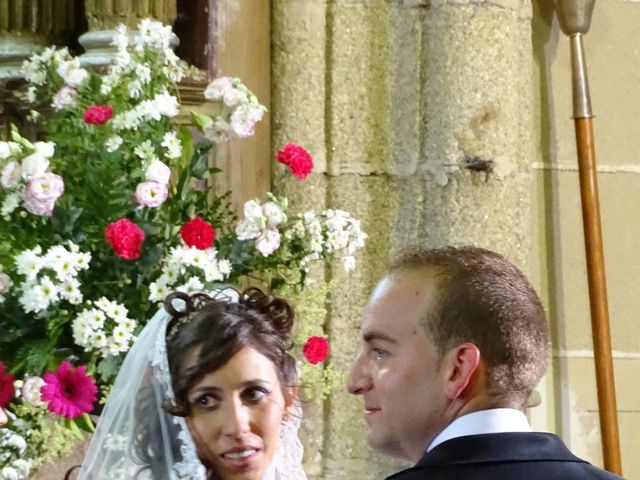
125,237
97,114
42,192
6,387
297,159
198,233
151,194
69,393
316,349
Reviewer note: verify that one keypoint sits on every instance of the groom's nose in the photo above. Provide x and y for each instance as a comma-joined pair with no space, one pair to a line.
359,380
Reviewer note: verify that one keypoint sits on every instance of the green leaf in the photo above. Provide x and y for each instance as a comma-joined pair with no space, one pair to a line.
201,121
71,425
85,423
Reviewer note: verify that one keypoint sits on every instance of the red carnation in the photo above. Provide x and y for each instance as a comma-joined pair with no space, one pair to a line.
98,114
198,233
69,392
316,349
6,387
125,237
297,159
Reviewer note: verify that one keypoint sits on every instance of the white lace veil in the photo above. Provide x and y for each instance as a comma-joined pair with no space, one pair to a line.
135,437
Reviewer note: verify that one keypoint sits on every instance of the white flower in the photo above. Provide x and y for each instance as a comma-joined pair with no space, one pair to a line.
217,88
65,97
243,120
10,203
23,467
172,144
234,96
34,165
166,104
71,72
151,194
349,263
268,241
30,391
193,285
135,89
121,335
273,213
46,149
11,174
5,152
145,150
157,171
42,192
5,282
113,143
158,290
70,291
29,262
10,473
247,229
48,289
143,73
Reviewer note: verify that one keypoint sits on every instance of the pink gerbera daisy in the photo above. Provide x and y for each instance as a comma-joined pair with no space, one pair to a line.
69,392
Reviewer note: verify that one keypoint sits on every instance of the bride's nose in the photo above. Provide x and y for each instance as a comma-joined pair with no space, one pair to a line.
236,421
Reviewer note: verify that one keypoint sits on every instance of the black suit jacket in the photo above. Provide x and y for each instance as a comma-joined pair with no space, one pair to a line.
503,456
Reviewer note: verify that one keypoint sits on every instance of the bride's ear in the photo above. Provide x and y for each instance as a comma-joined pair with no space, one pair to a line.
290,399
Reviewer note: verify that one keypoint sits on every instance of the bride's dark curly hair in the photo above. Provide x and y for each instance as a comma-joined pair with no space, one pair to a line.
215,329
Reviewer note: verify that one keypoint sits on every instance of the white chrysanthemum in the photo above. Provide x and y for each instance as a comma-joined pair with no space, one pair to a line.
29,262
23,467
121,335
71,72
166,104
172,144
192,286
143,73
129,120
113,143
145,151
70,291
95,318
158,290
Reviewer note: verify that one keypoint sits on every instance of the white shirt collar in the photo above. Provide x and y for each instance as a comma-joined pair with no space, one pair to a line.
496,420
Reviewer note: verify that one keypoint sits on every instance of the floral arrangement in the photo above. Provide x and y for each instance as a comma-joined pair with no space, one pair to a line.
109,214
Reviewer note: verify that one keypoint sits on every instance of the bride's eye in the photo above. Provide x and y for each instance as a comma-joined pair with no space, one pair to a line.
205,400
255,394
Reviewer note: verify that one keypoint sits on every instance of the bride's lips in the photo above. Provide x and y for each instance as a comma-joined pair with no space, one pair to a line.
240,458
370,411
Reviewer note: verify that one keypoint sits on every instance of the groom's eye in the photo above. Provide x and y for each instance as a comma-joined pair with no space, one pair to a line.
378,353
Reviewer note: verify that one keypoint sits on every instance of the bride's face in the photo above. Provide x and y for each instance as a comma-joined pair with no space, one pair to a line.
236,414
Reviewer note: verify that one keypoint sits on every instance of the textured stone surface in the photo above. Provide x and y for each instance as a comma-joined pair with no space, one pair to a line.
106,14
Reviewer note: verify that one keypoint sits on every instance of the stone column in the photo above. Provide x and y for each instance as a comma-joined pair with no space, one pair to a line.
28,25
419,116
103,16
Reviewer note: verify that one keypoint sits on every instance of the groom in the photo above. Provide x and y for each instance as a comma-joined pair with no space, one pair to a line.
454,342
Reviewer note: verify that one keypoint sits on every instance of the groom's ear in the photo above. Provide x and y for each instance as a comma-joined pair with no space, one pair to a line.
463,368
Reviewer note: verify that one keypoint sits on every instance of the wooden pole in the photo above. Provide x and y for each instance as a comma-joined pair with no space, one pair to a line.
575,19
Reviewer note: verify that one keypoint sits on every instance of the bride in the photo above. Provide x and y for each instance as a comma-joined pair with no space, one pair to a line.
208,391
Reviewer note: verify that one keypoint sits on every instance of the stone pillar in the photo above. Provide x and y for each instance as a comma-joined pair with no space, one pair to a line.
103,16
418,114
28,25
478,146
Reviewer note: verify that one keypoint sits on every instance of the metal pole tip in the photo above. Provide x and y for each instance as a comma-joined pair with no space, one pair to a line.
574,15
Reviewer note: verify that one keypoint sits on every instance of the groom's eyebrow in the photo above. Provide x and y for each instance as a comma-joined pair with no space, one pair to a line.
371,335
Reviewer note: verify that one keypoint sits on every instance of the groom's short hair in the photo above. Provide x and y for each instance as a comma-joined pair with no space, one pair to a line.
484,299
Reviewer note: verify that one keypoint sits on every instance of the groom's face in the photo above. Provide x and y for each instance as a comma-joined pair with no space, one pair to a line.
398,369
